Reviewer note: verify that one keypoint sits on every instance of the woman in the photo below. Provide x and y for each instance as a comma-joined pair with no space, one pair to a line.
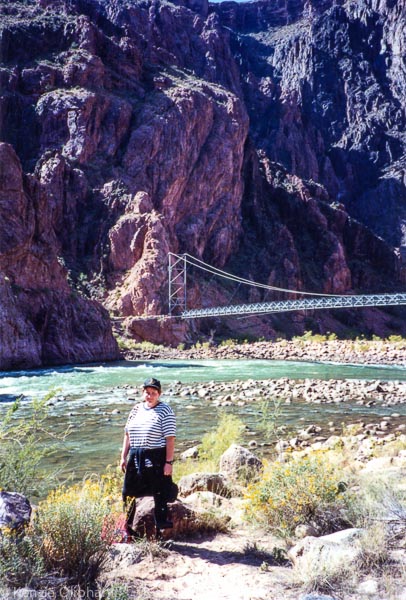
147,454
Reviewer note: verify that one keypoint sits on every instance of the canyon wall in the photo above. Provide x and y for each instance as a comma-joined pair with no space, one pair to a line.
264,138
325,87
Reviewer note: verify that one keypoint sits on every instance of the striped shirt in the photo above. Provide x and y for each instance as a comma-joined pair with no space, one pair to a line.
148,427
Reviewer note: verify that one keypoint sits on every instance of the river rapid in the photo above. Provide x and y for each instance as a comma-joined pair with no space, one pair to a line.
94,400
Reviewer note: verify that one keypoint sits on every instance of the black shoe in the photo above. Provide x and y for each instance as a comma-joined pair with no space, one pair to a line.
164,525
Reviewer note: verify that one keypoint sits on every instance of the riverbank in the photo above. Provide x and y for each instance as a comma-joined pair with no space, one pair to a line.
250,561
367,352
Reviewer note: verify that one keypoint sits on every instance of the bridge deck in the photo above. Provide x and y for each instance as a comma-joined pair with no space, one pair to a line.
304,304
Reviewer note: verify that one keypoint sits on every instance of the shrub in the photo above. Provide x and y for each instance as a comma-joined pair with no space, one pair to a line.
124,344
270,412
378,499
182,468
228,343
20,560
395,339
116,591
215,443
308,490
24,444
70,523
209,521
309,336
375,548
326,577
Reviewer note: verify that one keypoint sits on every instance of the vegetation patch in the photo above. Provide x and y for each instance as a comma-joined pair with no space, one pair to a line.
305,491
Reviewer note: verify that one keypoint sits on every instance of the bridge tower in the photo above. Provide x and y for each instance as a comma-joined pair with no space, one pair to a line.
177,283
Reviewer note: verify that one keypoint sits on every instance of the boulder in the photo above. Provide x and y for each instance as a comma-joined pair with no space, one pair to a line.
369,587
304,530
190,453
327,553
238,462
197,482
143,523
203,501
15,510
315,596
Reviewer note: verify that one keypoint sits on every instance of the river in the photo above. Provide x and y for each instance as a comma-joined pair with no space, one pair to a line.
94,400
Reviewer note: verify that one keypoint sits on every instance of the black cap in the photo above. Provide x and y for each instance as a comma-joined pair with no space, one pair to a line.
152,382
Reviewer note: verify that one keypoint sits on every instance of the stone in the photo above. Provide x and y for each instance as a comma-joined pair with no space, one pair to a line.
190,453
282,445
206,501
315,596
368,587
211,482
302,531
327,552
237,462
143,523
15,510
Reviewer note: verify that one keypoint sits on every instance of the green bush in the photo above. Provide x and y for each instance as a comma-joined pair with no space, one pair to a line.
395,339
24,444
317,338
270,413
377,496
215,443
228,343
20,560
116,591
307,490
73,524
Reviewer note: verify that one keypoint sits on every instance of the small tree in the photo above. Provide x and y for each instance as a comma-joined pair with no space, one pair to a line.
24,444
215,443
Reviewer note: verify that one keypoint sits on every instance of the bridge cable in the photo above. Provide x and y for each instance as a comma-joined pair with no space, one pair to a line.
225,275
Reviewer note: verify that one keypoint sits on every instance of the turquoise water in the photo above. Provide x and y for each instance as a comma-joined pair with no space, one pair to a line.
100,379
94,400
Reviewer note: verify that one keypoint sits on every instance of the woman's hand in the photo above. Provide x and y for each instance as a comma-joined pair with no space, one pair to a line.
167,469
124,452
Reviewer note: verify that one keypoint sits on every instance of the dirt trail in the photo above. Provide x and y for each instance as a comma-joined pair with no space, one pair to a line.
233,566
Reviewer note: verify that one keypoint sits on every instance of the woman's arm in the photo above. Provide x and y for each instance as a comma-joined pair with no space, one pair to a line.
124,452
170,451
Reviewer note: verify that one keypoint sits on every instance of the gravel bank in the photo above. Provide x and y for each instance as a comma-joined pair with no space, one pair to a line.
342,351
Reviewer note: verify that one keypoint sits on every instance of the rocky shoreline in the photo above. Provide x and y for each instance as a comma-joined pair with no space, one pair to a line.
363,393
365,428
366,352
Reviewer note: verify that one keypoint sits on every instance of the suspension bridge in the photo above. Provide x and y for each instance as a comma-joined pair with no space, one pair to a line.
177,276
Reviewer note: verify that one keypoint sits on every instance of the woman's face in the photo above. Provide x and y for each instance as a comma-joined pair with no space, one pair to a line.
151,396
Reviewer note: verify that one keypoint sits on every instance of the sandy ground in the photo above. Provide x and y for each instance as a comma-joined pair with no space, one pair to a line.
234,566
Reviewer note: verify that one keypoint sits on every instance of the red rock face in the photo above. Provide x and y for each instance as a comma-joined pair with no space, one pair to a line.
135,129
42,320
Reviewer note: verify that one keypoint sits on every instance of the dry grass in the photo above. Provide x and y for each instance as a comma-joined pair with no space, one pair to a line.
329,578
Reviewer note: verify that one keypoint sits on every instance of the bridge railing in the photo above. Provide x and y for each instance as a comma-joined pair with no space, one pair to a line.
304,304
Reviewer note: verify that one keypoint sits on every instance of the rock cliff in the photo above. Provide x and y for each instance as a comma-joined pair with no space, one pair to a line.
265,138
43,321
325,84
